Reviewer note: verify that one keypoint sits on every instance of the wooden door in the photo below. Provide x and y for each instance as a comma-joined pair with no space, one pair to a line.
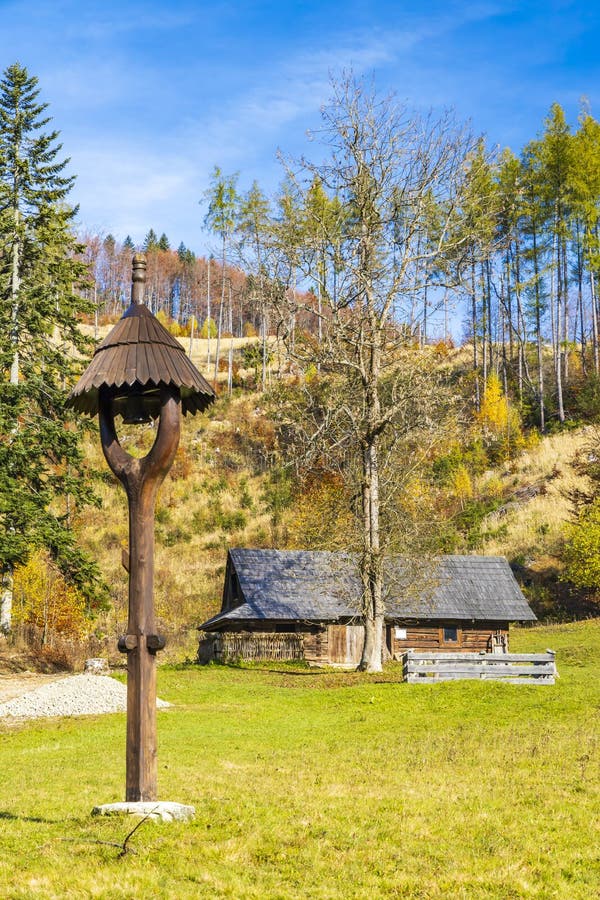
345,644
355,638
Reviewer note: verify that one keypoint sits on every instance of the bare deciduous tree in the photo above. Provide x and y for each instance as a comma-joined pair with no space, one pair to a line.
397,180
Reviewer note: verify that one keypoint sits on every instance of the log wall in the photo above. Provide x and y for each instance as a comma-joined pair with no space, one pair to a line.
323,644
475,637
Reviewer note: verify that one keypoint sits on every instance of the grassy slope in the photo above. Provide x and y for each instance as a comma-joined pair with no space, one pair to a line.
326,785
534,526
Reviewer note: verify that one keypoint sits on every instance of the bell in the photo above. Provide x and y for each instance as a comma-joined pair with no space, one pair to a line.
137,407
135,411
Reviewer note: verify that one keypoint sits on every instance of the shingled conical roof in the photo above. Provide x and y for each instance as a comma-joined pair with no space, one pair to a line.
140,352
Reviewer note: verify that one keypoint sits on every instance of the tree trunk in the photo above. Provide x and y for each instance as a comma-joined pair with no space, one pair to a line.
484,328
230,355
208,316
490,320
6,601
594,323
556,328
521,330
565,296
474,329
580,306
14,292
263,317
221,306
538,328
372,565
192,323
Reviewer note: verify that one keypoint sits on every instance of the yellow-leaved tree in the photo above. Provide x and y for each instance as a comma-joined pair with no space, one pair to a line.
43,598
500,422
462,485
582,549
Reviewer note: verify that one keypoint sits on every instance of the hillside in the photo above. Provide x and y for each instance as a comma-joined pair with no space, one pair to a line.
529,527
222,493
228,488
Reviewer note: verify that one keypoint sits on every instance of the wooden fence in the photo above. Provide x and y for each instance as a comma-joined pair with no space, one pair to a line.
512,668
226,647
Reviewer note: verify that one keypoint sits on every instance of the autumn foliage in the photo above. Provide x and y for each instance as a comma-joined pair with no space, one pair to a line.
43,598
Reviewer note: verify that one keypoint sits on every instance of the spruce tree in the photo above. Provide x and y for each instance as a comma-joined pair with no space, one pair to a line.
223,202
150,242
41,465
254,226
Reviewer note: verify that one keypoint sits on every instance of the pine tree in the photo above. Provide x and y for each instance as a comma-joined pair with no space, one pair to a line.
323,218
586,196
550,161
163,242
478,222
254,225
532,228
221,218
150,242
41,466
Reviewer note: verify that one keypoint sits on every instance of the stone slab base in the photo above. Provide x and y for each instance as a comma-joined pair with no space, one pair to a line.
158,810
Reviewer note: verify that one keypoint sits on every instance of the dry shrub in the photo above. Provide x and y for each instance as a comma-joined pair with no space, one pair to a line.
183,464
49,651
442,348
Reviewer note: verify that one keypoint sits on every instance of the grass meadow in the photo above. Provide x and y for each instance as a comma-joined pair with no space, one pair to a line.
325,785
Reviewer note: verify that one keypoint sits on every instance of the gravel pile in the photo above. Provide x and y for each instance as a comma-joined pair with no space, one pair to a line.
76,695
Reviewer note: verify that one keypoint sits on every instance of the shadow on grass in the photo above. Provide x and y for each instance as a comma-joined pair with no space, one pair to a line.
12,817
321,677
242,668
300,672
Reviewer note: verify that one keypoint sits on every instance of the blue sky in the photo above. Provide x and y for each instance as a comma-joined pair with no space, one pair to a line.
150,96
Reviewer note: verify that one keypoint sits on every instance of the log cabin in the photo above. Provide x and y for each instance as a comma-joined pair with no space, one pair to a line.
300,604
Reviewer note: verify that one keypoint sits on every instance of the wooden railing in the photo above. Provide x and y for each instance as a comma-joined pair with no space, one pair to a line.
248,646
513,668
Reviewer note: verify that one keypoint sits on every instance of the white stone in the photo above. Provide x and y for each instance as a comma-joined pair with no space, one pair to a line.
157,810
96,666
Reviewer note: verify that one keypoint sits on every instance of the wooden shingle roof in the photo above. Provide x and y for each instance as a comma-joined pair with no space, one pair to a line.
139,351
320,586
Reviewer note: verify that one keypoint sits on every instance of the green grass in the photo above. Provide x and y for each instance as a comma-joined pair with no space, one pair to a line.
324,785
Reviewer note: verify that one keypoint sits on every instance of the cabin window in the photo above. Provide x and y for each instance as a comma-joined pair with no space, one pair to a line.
400,634
234,590
451,635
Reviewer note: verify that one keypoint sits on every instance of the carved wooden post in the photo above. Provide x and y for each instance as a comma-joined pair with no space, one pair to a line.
141,372
141,479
